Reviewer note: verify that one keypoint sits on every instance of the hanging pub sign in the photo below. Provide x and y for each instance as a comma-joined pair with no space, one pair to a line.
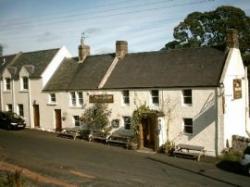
237,89
106,98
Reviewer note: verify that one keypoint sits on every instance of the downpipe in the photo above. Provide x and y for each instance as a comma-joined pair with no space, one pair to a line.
247,125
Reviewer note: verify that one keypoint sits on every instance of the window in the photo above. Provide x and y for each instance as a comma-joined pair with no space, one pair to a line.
9,107
188,125
127,122
73,98
155,96
115,123
187,96
125,94
20,110
52,98
25,83
7,84
77,121
80,98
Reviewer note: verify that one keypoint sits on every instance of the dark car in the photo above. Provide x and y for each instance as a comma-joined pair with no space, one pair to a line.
10,120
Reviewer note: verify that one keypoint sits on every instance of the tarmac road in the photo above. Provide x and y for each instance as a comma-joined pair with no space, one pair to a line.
93,164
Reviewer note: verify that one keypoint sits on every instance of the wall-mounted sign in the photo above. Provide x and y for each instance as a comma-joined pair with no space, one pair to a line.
101,98
237,88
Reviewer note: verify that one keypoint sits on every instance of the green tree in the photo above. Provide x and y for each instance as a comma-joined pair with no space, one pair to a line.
1,50
96,117
209,29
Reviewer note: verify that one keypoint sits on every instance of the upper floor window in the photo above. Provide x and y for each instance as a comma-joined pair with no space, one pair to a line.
52,98
127,122
188,125
9,108
76,98
125,94
77,121
155,96
20,109
25,83
7,84
187,96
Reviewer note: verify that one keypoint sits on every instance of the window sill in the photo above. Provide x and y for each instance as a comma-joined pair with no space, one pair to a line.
188,134
187,105
6,91
24,91
51,104
76,107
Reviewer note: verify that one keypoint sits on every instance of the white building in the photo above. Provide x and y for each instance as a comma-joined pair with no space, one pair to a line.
201,92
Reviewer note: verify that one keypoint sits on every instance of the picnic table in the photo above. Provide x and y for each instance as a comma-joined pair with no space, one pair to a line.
98,135
119,139
189,151
70,133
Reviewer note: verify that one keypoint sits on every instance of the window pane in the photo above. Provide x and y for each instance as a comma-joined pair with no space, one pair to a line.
20,110
80,98
188,100
155,93
155,100
127,122
73,98
187,92
77,120
25,83
188,125
188,129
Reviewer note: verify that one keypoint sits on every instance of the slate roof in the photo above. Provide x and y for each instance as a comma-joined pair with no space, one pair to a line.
5,60
193,67
38,59
72,75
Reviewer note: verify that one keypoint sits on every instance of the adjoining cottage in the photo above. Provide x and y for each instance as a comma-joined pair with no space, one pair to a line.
201,93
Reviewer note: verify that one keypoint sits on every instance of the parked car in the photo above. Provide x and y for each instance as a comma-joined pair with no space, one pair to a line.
245,161
10,120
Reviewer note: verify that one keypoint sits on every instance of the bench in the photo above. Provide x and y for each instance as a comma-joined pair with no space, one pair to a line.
189,151
70,133
98,136
119,139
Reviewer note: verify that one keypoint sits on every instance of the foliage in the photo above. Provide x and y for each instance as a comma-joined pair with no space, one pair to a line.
96,117
13,179
1,50
231,155
169,147
138,115
209,29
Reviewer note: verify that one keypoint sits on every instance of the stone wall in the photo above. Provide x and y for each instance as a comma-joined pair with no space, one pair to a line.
239,143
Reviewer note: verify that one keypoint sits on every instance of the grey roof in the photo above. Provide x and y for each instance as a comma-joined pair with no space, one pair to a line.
5,60
38,59
72,75
193,67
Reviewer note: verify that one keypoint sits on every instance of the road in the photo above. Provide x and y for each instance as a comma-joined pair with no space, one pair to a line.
96,165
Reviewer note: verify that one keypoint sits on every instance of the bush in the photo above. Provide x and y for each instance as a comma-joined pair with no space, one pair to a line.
231,155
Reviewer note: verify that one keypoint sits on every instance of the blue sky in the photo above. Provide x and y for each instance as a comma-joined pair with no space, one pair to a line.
29,25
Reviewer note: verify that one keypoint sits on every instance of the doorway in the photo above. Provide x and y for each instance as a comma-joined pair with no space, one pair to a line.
58,119
36,115
148,131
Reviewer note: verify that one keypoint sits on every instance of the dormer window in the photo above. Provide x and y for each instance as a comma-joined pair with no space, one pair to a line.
25,83
7,84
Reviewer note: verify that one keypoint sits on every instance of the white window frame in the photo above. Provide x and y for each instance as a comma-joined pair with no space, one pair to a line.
126,97
153,96
6,83
23,83
75,120
186,96
125,122
76,99
185,125
80,98
19,106
52,98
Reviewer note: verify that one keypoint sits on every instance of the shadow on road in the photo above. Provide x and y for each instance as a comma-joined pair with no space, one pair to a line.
201,172
231,166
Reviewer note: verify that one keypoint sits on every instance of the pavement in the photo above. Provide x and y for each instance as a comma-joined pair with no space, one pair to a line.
81,163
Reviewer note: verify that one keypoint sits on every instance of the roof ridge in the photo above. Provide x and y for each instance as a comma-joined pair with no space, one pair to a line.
43,50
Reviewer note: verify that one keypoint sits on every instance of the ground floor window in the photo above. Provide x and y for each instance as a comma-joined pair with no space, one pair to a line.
127,122
20,110
9,108
188,125
77,121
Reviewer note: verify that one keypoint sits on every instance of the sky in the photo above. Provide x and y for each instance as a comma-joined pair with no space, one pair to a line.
147,25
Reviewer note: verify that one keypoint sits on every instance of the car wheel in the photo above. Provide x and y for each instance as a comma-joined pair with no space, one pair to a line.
9,127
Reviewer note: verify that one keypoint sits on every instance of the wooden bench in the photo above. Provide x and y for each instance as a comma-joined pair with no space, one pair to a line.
99,136
69,133
189,151
119,139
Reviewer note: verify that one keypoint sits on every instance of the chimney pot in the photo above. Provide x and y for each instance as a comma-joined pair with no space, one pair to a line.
121,49
232,38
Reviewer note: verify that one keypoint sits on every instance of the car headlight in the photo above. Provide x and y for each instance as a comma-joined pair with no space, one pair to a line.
14,124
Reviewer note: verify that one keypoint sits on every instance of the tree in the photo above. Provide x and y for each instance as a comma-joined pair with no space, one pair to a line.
96,117
209,29
1,50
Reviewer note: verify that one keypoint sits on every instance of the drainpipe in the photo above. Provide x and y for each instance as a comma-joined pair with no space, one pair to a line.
1,96
29,104
246,104
13,96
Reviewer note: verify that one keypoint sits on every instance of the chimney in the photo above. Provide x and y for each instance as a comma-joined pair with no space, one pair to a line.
83,50
232,38
121,49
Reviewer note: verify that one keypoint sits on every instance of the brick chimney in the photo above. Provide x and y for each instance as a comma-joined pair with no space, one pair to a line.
232,38
121,49
83,51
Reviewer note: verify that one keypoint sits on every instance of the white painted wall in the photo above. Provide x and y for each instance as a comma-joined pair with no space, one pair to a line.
235,109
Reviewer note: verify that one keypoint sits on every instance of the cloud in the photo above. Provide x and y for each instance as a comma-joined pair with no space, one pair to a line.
47,36
92,30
